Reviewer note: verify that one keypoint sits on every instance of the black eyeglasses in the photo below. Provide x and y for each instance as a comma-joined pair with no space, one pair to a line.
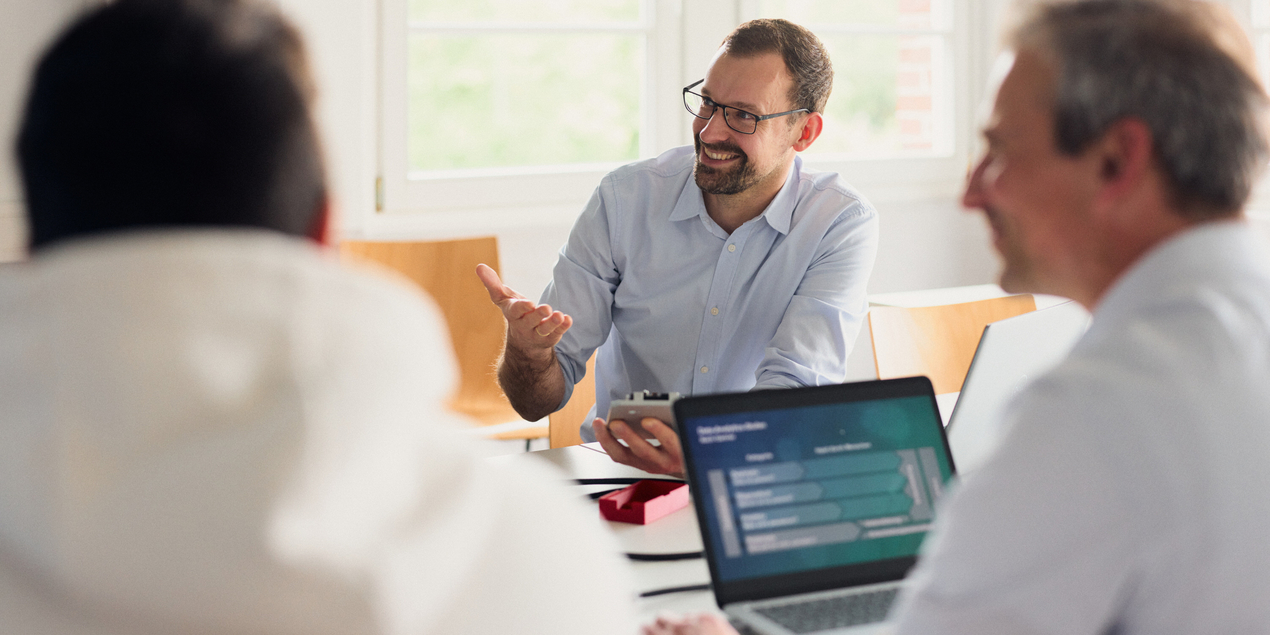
742,121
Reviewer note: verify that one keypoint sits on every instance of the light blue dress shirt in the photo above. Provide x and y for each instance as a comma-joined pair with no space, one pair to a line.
675,304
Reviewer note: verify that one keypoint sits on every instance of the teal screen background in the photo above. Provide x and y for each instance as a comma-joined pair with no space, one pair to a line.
791,435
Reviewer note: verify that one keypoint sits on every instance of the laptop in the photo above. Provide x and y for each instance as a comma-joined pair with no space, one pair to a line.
1011,353
813,502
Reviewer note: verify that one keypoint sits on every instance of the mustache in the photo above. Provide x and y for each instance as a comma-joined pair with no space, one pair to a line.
729,148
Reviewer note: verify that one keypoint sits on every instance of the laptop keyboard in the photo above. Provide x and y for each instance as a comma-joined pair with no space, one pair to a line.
832,612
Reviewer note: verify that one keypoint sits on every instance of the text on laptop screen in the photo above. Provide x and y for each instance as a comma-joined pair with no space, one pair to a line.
818,486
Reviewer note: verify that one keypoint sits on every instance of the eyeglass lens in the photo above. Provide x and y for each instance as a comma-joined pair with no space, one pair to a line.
697,105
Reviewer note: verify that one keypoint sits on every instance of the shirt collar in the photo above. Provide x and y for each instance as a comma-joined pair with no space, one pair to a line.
1214,250
778,213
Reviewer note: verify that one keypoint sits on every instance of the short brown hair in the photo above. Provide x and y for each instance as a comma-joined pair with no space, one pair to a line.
805,57
1182,67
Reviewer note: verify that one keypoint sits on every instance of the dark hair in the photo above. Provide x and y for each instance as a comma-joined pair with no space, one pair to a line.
154,113
804,55
1182,67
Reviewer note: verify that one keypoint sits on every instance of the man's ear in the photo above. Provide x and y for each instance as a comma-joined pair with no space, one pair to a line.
1124,154
323,231
811,128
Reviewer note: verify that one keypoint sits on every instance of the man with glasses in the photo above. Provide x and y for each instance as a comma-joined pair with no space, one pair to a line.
725,266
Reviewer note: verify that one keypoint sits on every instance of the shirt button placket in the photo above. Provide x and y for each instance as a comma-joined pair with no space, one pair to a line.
727,270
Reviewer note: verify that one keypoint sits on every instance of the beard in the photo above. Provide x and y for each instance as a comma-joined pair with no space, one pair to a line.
733,180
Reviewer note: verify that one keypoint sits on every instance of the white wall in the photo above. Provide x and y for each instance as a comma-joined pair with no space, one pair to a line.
26,26
341,38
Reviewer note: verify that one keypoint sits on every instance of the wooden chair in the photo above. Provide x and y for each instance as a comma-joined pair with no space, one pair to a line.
447,271
936,341
563,423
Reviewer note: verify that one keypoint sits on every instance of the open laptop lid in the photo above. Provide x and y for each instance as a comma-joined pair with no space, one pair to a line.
808,489
1011,353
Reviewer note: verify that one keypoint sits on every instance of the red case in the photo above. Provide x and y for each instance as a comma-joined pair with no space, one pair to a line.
644,502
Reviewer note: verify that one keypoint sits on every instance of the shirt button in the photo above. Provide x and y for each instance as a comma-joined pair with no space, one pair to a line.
714,311
705,369
731,247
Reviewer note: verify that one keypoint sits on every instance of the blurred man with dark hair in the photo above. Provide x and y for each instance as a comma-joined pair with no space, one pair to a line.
209,425
1127,493
718,267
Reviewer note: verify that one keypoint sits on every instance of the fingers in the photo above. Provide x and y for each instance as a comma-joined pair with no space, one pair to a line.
534,326
714,624
615,450
553,326
658,460
498,292
637,452
670,449
703,624
526,310
529,325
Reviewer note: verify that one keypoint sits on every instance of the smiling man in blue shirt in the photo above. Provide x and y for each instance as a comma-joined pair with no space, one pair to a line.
725,266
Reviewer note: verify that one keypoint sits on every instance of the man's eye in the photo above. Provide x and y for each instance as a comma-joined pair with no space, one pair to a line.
741,115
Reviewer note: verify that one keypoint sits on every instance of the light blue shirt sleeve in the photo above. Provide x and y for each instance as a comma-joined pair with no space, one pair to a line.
582,285
824,317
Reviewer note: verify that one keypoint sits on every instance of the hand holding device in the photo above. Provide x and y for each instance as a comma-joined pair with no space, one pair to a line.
636,406
625,446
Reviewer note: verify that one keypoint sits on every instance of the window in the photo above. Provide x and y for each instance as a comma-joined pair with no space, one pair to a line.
898,124
512,83
507,110
893,73
502,104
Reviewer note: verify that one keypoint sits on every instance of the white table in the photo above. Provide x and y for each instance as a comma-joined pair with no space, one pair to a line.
674,533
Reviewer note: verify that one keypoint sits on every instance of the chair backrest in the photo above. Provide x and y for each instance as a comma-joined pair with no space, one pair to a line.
447,271
936,341
563,424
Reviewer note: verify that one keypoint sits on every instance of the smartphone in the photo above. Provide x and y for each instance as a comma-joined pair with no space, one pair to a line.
638,405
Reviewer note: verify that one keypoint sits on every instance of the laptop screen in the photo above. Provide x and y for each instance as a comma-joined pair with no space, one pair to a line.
826,478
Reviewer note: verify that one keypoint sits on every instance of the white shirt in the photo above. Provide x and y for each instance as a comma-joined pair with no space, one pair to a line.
680,305
1129,493
229,432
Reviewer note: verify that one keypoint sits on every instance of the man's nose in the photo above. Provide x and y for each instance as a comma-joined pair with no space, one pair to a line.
715,129
973,197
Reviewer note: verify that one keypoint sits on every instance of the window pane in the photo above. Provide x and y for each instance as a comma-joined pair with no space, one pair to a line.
520,100
903,14
890,94
886,96
566,11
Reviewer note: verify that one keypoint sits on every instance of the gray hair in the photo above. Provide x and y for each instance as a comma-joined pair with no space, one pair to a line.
1182,67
